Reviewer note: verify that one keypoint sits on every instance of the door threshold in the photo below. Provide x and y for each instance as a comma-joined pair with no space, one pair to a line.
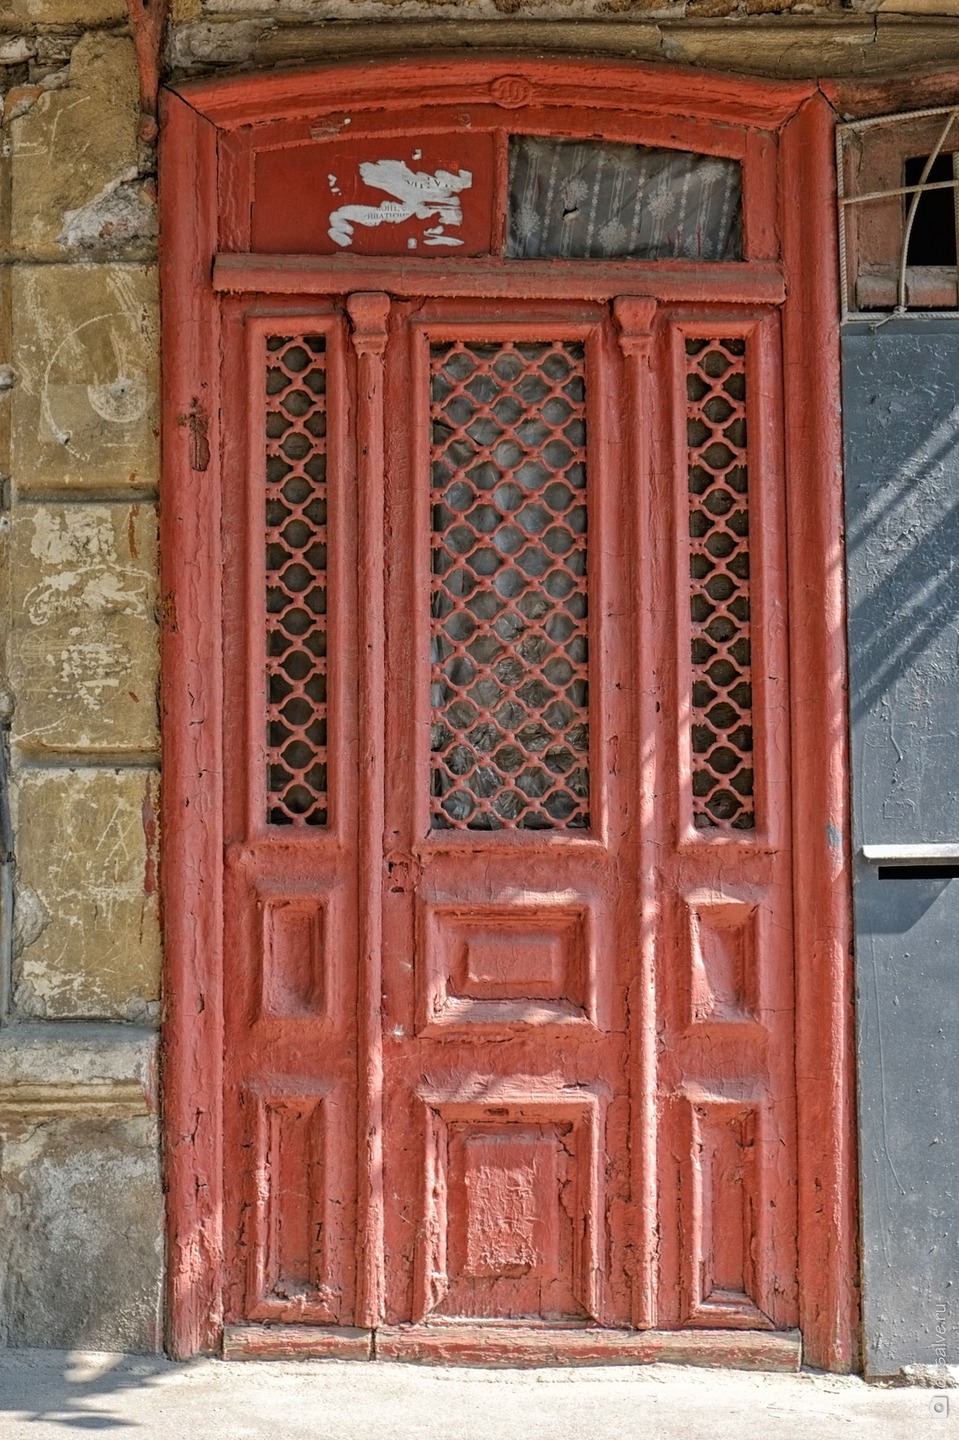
517,1346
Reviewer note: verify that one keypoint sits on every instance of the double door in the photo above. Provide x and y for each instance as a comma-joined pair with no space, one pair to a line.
509,1004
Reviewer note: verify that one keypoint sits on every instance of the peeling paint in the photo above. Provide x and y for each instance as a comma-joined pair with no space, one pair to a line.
417,195
30,918
83,572
125,209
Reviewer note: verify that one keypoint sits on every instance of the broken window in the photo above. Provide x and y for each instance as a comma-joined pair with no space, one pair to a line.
898,197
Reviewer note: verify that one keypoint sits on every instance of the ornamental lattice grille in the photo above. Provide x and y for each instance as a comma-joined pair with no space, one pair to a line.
509,682
721,698
296,538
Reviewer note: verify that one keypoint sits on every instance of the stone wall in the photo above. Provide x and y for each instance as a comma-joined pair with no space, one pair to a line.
80,1200
826,38
80,1206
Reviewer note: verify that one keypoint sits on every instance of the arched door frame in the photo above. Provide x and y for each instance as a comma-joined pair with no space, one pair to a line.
202,127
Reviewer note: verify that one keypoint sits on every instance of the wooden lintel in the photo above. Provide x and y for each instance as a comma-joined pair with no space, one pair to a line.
719,283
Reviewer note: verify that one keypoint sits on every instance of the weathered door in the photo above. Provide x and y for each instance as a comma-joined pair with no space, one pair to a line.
517,562
540,541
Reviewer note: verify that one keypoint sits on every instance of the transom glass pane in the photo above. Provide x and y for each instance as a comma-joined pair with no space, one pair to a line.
589,199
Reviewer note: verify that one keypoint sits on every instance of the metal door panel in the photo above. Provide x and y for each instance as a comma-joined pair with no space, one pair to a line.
900,399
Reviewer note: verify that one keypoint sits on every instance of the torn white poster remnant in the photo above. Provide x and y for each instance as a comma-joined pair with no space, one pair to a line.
416,195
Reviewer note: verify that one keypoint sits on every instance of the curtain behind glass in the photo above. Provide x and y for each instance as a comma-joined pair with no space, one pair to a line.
583,200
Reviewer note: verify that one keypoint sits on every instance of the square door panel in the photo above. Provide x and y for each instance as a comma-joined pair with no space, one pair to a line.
506,966
512,1203
723,944
295,945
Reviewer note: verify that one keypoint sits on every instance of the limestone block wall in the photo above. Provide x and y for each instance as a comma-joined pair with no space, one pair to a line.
80,1201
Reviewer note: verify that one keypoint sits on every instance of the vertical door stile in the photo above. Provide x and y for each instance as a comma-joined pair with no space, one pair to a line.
368,315
634,316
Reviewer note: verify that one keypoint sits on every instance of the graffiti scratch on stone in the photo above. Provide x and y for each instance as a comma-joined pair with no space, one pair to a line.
416,195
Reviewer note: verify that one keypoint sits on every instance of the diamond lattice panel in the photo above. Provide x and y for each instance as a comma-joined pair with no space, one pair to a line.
509,603
722,737
296,580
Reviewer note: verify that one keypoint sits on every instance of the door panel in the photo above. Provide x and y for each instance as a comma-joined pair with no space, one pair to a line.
583,1024
290,911
725,976
507,941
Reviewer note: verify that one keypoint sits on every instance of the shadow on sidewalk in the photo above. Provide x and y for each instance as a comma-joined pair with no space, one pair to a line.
70,1388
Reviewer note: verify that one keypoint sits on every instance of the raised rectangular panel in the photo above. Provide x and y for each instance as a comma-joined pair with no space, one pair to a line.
723,958
501,964
497,1177
721,1219
294,957
288,1273
512,1204
508,965
419,194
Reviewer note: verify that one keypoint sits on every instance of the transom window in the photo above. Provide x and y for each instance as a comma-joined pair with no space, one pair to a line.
521,197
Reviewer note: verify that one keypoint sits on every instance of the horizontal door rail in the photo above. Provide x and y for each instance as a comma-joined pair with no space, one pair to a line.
722,282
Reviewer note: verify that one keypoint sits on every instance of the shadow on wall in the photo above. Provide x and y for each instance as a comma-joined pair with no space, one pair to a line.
901,423
908,595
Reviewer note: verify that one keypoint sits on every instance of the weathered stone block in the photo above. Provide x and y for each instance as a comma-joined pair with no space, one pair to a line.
711,9
74,157
82,654
86,856
76,13
82,1221
805,47
50,1068
85,353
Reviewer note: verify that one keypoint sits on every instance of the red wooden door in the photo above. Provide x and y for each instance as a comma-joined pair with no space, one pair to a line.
510,1033
505,907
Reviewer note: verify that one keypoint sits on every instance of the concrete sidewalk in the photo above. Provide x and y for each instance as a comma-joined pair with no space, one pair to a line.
47,1395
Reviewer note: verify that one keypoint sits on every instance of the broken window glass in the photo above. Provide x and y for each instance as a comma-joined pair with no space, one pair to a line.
899,201
583,200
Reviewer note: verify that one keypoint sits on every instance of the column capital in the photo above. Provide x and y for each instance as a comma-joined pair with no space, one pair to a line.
634,315
368,314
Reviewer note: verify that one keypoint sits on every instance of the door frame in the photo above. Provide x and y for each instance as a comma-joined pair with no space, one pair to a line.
198,122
